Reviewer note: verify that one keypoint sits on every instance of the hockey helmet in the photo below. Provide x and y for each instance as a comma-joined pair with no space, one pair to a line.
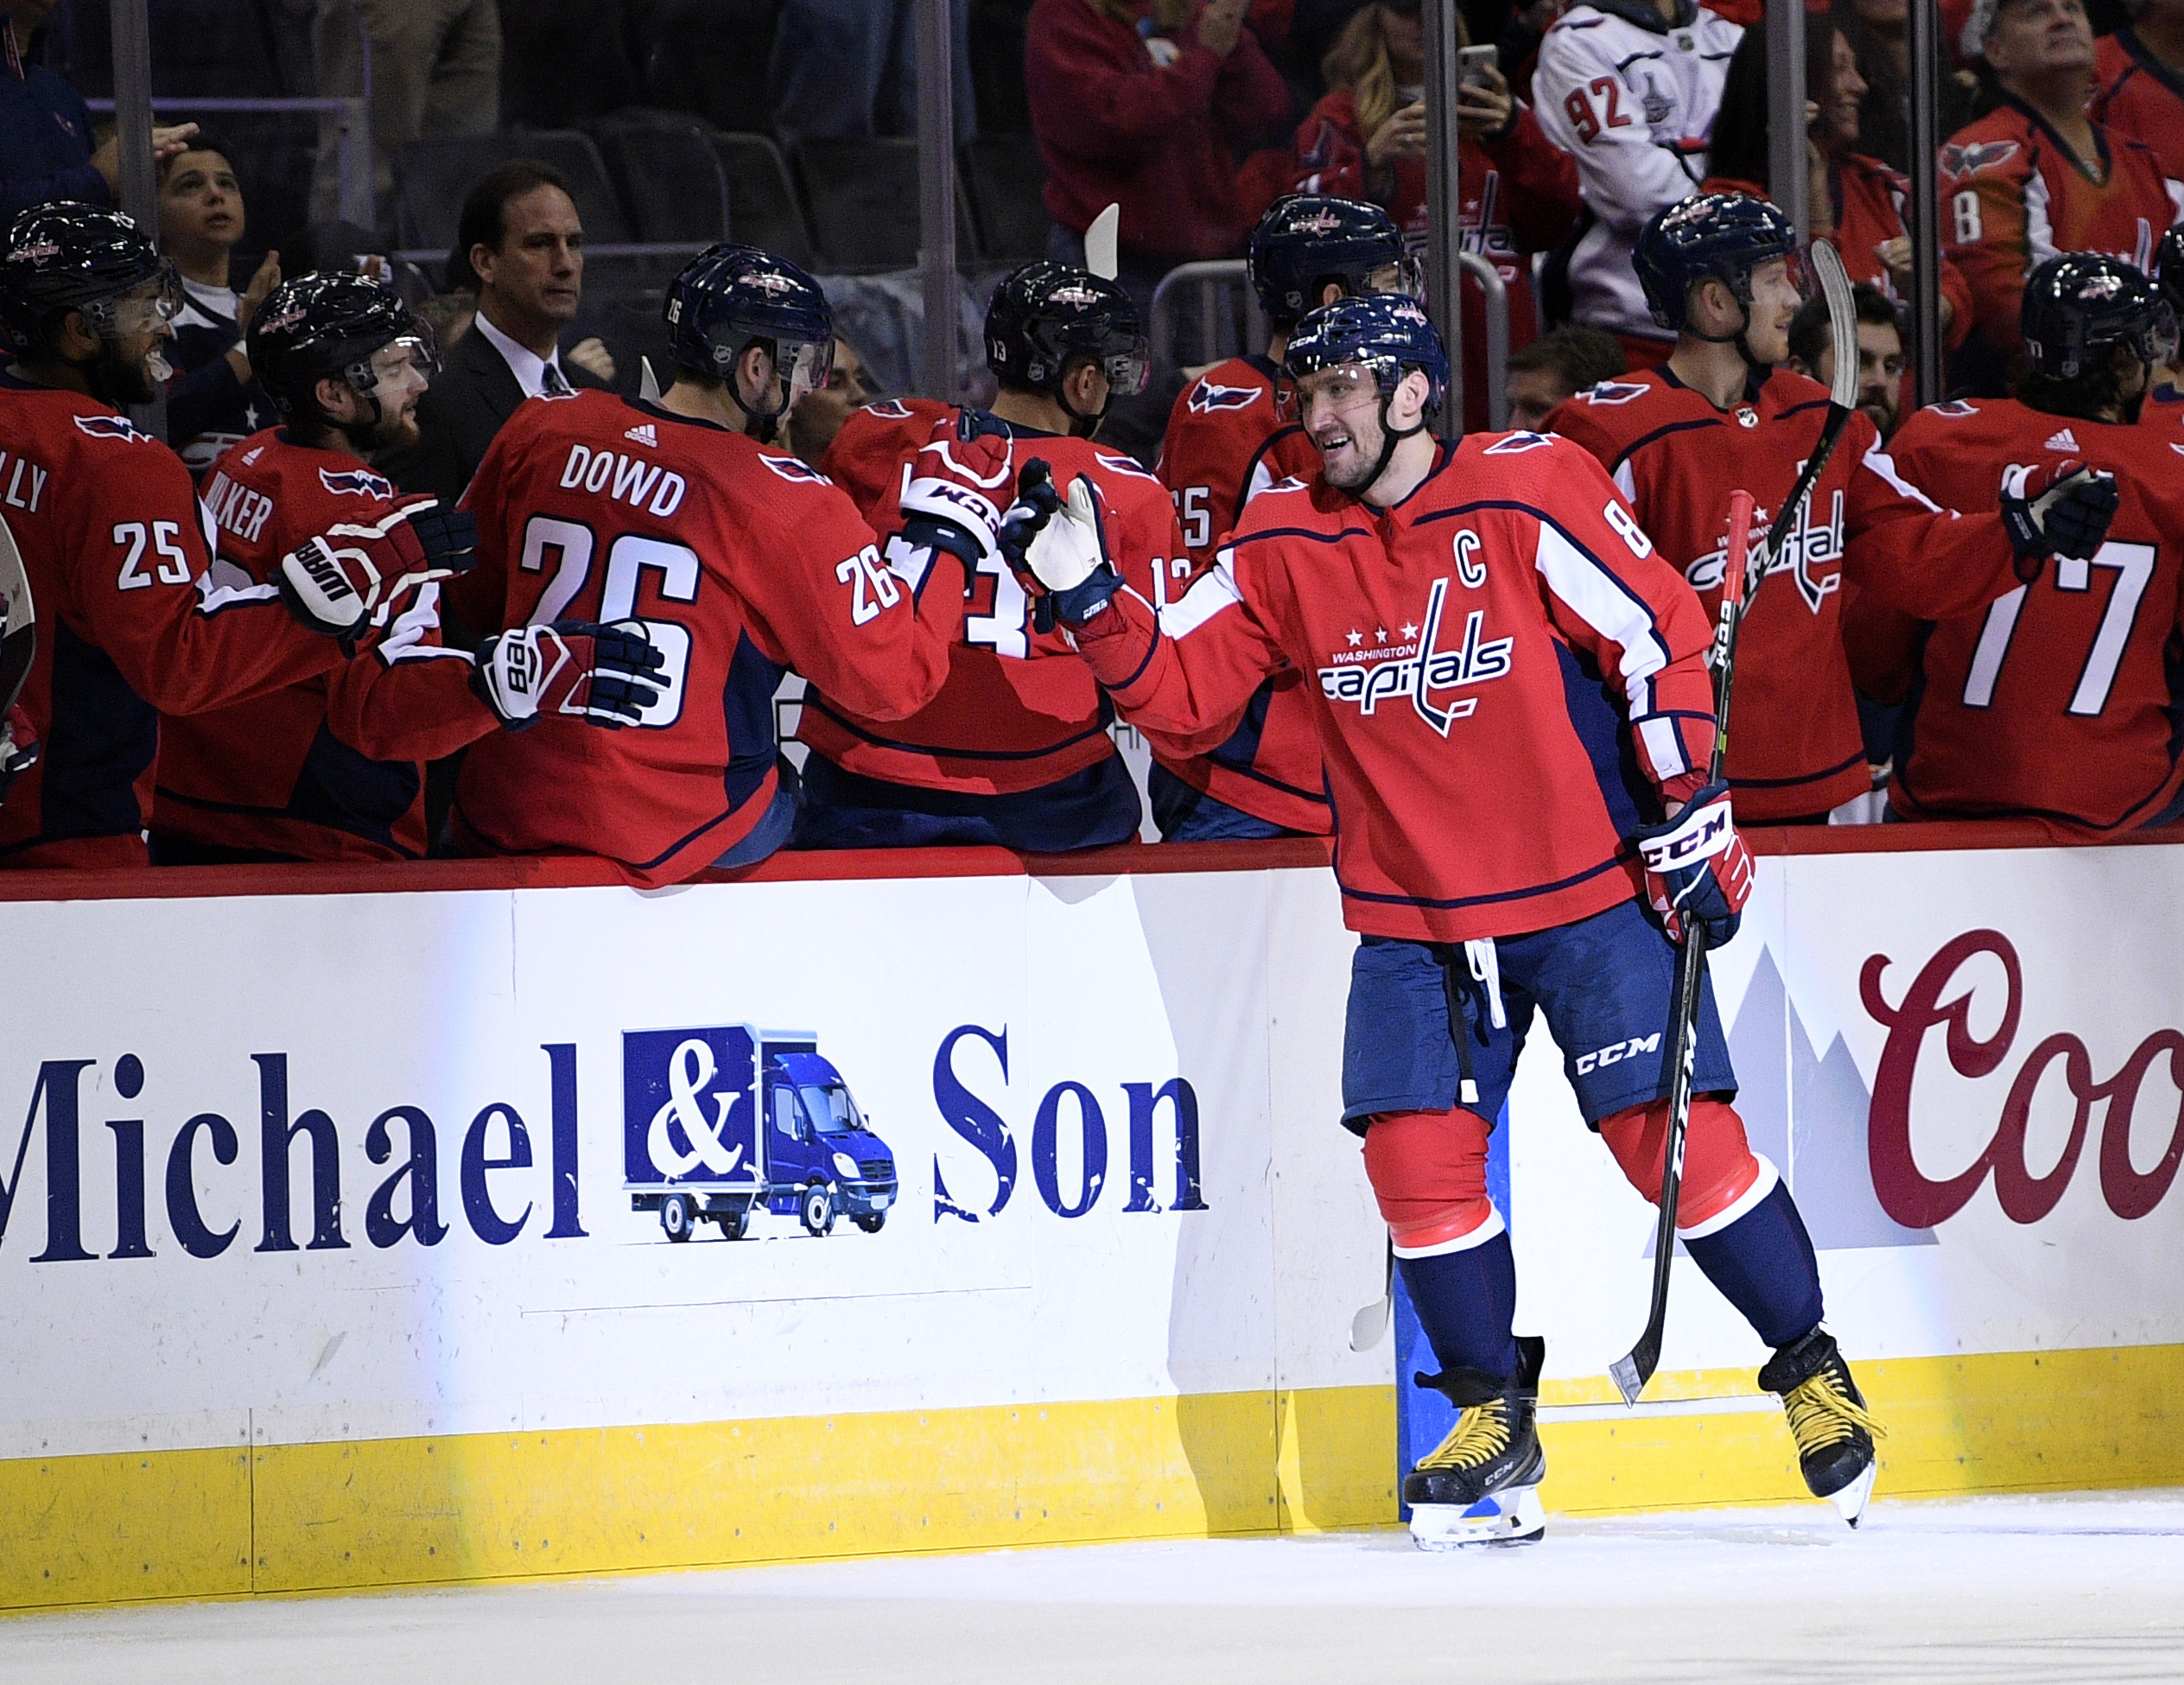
2083,302
2169,270
336,324
1046,316
1710,236
730,297
1306,240
1390,334
65,255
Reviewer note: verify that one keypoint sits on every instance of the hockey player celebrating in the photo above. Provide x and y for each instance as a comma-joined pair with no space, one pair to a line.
327,769
2059,701
1720,417
130,624
1014,750
1233,433
1489,632
737,559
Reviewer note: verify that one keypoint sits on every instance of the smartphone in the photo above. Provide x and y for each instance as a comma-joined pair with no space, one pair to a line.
1473,63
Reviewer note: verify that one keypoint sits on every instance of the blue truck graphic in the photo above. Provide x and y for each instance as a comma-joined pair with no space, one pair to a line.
721,1122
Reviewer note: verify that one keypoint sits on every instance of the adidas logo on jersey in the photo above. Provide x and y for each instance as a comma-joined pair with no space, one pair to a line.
643,434
2064,440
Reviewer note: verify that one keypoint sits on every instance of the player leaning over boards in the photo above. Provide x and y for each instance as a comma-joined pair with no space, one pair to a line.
1720,417
130,624
1490,634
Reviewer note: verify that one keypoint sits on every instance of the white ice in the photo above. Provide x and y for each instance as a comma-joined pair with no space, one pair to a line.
1990,1591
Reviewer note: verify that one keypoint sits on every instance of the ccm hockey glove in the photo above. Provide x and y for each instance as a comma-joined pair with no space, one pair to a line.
949,502
1060,547
605,675
1696,868
2062,512
356,574
19,746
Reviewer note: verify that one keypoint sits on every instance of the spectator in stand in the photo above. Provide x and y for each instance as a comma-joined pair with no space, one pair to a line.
1630,88
46,150
2138,81
815,418
2036,176
1555,367
847,69
214,401
1879,32
520,241
1880,353
1366,140
433,68
1855,202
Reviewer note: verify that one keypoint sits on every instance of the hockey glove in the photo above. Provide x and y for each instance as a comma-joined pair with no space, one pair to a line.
2064,513
1696,868
950,503
356,574
605,675
1060,547
19,747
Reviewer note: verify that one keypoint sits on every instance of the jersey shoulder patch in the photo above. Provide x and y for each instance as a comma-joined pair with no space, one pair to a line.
1616,392
1516,444
1208,396
795,472
1954,409
892,409
352,482
112,426
1114,463
1960,162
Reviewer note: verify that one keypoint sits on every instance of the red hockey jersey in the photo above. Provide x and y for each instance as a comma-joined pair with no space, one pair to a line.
1016,712
2060,700
1794,749
327,769
741,562
130,624
1232,434
2012,194
1485,660
876,442
2136,95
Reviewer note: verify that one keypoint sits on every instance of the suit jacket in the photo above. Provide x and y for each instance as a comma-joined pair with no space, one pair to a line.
459,416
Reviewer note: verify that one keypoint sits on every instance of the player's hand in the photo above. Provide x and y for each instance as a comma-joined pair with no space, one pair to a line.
951,503
358,574
19,747
2060,511
604,675
1060,545
1696,868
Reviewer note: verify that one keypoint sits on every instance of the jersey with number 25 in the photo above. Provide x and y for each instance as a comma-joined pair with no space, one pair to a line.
740,561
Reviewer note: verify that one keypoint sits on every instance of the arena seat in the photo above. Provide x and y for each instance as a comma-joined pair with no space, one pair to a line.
763,207
669,175
433,177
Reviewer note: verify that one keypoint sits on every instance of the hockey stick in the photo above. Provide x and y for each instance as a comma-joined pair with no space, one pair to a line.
18,623
1369,1326
1741,578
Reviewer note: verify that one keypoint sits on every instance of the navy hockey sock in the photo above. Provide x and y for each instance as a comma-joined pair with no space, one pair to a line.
1467,1302
1763,1264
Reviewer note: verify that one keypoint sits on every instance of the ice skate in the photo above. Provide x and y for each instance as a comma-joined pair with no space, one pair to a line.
1828,1417
1481,1485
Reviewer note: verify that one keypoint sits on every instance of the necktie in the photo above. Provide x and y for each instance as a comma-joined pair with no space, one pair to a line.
553,384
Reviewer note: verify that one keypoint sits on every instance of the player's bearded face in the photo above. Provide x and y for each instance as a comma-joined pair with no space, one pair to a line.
399,382
129,370
1340,409
1775,302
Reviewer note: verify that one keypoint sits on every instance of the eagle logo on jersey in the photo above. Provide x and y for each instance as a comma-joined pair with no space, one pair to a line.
110,427
795,472
893,410
1957,408
1127,465
1963,161
1418,670
1206,398
1516,444
1616,392
356,482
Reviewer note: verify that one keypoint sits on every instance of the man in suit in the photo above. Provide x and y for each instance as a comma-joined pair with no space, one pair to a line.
521,244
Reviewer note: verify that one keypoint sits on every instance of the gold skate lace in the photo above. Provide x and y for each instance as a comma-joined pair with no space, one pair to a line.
1481,1434
1823,1414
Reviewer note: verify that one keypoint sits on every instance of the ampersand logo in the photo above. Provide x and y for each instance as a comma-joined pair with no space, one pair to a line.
688,1108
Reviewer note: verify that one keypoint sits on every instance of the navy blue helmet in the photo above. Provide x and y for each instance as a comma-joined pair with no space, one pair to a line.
1307,240
2169,270
729,298
1385,332
1718,236
65,255
331,324
1046,316
2078,306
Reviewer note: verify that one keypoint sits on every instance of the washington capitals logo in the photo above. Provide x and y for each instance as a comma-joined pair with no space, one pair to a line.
795,472
1114,464
110,427
1419,668
1206,398
1962,160
1614,391
1812,554
356,482
893,410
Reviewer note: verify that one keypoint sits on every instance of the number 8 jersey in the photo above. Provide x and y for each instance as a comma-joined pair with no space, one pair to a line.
2055,702
740,561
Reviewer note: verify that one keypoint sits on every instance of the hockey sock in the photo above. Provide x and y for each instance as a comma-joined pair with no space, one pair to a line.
1763,1264
1467,1303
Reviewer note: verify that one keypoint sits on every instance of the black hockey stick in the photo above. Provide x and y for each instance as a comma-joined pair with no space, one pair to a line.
18,623
1740,580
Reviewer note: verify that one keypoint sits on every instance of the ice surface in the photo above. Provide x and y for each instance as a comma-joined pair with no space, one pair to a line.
1994,1590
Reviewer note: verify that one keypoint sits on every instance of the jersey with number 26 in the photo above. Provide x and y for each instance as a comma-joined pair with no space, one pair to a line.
2058,700
739,560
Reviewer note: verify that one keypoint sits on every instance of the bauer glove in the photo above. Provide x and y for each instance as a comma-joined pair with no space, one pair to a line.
19,747
1060,547
950,502
2064,513
356,574
1696,868
605,675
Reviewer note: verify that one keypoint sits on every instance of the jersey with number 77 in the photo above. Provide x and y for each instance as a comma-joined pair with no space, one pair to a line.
2057,702
740,561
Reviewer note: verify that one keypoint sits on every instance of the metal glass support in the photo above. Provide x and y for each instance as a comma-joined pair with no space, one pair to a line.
1445,232
133,122
1206,284
936,195
1926,206
1497,341
1789,172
